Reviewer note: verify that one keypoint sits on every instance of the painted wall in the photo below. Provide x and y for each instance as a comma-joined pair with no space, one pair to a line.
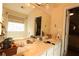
1,37
4,20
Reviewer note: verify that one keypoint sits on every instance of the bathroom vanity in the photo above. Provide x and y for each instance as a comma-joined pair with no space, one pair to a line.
40,48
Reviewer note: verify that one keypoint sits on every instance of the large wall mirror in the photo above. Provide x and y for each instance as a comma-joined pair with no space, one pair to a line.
38,26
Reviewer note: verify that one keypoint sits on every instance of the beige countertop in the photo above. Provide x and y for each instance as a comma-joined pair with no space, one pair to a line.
37,48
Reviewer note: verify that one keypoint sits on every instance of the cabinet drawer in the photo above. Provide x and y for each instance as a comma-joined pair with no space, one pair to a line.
10,51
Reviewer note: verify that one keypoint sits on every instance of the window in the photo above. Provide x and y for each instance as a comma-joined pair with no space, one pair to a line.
15,26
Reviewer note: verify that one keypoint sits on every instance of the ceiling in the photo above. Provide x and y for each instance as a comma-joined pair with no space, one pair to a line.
19,10
24,9
18,7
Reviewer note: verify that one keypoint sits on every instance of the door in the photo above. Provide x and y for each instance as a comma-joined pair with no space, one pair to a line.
50,51
57,49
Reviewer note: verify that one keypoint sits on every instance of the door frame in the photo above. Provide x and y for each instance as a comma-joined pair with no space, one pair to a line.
67,22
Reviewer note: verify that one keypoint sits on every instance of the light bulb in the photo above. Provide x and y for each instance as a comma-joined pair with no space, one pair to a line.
28,4
47,6
33,6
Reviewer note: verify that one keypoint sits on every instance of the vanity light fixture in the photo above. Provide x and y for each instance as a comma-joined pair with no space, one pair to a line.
39,3
47,6
28,4
33,6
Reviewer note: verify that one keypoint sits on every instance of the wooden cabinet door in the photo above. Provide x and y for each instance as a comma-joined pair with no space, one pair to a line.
50,51
44,54
57,49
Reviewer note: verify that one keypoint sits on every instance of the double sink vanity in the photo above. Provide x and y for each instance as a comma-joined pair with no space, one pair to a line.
47,47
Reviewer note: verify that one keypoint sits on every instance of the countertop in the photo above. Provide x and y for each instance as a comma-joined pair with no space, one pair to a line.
38,47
